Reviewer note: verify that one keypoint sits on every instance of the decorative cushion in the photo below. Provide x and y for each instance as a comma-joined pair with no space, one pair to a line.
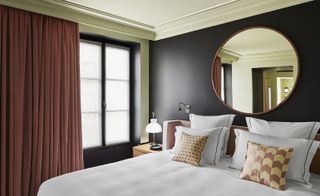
266,165
190,149
299,130
208,122
212,150
304,151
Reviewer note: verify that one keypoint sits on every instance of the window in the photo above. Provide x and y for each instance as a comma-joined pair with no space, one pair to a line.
105,93
222,84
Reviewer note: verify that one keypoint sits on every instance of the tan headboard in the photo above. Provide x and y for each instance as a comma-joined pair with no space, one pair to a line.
169,131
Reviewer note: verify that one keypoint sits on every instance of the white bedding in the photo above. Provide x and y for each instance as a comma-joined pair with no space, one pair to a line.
156,174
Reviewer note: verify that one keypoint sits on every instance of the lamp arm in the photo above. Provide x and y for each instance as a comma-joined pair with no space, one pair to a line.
181,103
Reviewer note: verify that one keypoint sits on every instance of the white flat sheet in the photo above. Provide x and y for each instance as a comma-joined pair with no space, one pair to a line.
157,175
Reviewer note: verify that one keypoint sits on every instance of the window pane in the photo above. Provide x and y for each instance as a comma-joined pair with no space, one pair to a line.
90,75
90,60
91,129
117,63
90,95
117,95
117,127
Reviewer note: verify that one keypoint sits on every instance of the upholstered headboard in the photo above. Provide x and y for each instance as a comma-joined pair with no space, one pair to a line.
169,131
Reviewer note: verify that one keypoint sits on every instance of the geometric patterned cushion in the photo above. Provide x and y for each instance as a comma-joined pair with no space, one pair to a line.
266,165
190,149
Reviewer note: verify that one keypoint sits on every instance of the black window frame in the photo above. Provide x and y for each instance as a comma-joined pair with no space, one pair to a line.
104,41
227,83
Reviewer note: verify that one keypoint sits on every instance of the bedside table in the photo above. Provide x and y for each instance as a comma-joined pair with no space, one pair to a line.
143,149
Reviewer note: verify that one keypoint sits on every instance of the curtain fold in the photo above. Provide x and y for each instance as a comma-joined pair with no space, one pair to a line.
40,117
216,75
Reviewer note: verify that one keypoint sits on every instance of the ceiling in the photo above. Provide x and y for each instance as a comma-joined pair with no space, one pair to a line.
166,18
257,41
151,12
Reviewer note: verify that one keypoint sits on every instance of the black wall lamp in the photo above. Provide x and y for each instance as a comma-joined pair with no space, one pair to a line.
187,107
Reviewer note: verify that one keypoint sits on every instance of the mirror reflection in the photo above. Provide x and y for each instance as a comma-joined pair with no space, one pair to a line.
255,70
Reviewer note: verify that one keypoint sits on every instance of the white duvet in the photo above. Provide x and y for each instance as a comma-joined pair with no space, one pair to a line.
157,175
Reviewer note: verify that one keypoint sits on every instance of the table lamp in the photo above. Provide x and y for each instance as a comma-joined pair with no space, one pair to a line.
154,127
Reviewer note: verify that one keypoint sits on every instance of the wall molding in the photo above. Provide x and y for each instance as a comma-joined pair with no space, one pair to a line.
229,56
101,14
230,11
278,55
83,18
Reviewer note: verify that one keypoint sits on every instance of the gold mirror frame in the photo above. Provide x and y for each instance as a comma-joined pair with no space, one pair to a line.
289,94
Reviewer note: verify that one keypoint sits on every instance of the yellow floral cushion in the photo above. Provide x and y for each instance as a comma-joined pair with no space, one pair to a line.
266,165
190,149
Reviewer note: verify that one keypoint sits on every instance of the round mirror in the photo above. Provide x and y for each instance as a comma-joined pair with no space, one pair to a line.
255,70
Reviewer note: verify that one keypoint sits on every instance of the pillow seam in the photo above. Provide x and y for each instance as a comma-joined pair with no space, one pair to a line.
250,123
305,162
312,129
228,121
215,154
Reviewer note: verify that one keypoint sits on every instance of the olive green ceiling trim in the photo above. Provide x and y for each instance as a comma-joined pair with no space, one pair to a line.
56,10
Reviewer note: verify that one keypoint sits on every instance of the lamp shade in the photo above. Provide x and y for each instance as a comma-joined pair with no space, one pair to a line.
153,127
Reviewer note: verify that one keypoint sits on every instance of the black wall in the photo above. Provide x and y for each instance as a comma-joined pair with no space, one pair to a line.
180,67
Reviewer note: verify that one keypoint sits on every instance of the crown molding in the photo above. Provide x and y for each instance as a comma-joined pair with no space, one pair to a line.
277,55
101,14
216,15
198,12
229,55
87,18
231,11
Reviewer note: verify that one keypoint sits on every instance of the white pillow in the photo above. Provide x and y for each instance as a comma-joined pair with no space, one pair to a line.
212,149
208,122
302,130
303,153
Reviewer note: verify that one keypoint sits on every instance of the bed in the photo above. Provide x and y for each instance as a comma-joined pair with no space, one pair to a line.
156,174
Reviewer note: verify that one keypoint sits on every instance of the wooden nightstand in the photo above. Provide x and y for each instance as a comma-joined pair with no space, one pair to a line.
143,149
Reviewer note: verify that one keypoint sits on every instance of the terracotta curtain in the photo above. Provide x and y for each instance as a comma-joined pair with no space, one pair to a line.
40,116
216,75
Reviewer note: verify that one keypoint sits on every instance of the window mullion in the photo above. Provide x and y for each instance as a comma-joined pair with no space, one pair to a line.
103,86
